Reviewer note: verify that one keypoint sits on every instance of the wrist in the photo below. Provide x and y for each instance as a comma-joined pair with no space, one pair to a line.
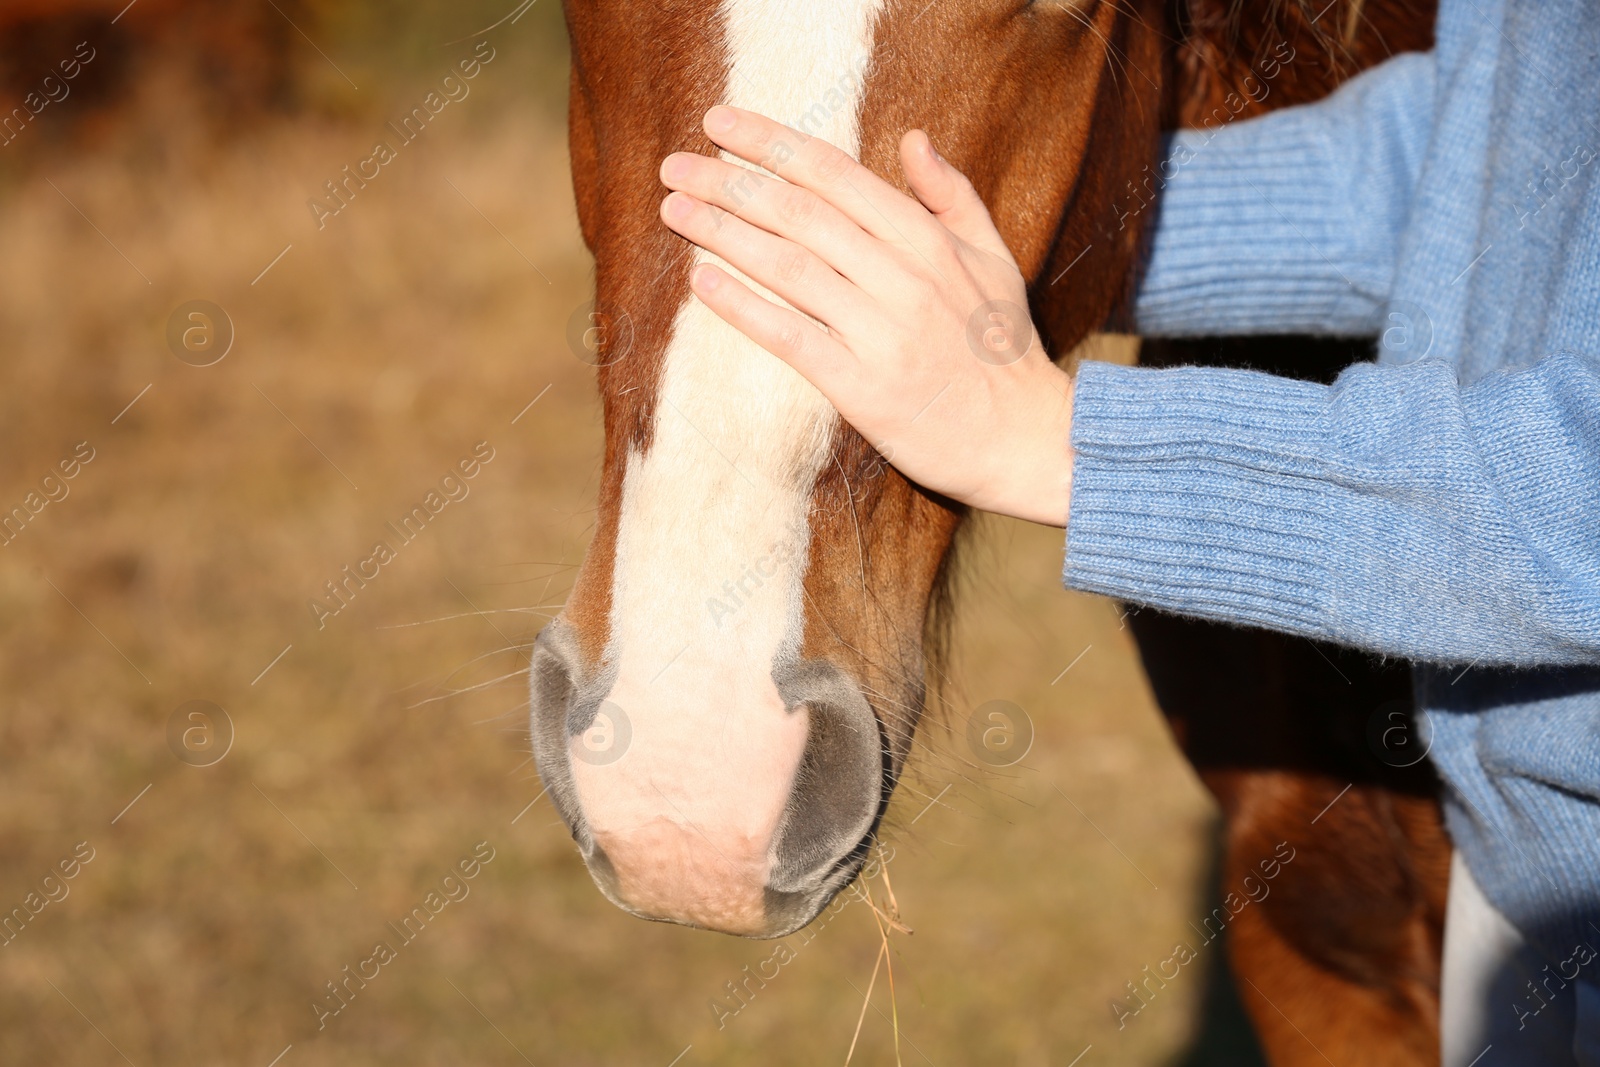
1037,485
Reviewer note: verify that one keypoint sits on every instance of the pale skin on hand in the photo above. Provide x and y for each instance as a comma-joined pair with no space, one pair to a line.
903,287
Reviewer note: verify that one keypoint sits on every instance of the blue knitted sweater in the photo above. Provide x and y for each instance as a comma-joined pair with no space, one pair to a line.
1442,504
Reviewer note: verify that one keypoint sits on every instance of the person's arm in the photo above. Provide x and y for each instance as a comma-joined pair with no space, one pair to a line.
1290,222
1393,510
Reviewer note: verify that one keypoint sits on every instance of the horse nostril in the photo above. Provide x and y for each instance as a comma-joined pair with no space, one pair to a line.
558,695
837,799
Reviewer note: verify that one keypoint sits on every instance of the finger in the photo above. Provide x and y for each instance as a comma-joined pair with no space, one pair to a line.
787,334
947,193
812,163
784,267
781,208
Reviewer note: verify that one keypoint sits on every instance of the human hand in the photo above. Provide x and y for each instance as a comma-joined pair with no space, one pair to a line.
926,346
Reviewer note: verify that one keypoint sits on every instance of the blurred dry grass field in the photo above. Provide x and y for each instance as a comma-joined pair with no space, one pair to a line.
375,752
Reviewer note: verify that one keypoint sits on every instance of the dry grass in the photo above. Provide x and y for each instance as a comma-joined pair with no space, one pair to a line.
379,351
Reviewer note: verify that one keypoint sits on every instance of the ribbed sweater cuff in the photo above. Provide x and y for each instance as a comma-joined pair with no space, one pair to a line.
1192,491
1254,234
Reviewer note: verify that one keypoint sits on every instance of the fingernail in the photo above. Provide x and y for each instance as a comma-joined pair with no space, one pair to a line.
677,207
705,278
720,119
934,152
675,167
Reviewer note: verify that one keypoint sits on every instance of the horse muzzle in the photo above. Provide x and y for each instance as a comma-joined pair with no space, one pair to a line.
705,796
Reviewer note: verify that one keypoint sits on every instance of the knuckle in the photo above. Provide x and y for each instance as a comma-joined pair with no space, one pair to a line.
946,257
735,304
778,148
761,134
831,164
790,339
927,308
924,296
791,265
797,208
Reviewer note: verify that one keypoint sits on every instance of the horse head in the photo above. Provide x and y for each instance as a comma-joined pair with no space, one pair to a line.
722,709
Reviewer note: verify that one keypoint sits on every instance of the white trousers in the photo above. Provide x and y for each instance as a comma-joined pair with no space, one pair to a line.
1498,1005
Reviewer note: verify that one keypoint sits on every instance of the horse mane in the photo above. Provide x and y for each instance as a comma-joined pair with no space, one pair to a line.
1220,43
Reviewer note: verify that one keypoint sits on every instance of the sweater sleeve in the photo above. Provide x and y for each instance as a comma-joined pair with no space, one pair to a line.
1290,222
1394,510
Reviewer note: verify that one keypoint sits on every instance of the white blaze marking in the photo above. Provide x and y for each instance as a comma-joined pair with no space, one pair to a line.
719,503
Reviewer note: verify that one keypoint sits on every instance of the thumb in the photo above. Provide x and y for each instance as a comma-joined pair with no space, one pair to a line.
947,193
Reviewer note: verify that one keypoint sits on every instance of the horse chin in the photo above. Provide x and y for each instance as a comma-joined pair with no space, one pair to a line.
750,827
